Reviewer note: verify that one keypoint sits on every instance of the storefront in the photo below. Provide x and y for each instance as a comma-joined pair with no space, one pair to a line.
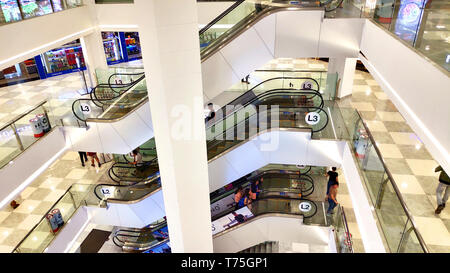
15,10
113,47
19,73
121,47
133,46
66,59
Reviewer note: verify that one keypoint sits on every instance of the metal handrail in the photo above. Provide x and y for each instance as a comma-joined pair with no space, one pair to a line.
218,18
14,120
394,185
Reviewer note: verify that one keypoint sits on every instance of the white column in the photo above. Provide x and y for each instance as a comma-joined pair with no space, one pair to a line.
168,32
345,67
94,54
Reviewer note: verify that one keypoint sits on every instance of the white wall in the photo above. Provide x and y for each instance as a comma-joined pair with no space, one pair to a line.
38,35
275,147
136,215
118,137
419,89
207,11
15,177
270,228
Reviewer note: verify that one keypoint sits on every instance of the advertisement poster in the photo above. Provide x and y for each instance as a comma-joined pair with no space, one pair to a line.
222,205
409,18
55,219
236,217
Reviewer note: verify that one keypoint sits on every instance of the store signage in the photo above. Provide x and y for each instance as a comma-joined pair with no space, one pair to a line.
305,207
55,220
85,108
312,118
307,85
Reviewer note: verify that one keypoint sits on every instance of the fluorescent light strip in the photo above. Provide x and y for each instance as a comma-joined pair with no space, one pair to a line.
46,45
410,112
32,177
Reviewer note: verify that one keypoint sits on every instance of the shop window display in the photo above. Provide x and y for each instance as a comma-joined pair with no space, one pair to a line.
64,58
133,45
10,11
111,43
57,5
32,8
22,72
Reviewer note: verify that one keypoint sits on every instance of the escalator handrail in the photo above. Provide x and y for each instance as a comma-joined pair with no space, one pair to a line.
218,18
269,93
93,94
234,127
263,82
130,85
151,179
245,24
142,74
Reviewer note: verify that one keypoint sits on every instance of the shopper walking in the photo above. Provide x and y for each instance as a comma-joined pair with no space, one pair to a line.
94,156
83,157
442,190
332,179
332,201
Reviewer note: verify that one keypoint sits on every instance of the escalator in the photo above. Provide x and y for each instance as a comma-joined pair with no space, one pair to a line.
109,105
279,190
295,103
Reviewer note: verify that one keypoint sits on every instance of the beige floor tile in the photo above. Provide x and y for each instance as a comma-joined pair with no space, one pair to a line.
354,230
3,215
381,95
27,191
372,82
445,213
4,233
390,116
27,206
408,184
361,88
51,182
390,151
54,195
71,156
405,138
423,167
345,200
76,174
30,221
6,249
376,126
433,230
363,106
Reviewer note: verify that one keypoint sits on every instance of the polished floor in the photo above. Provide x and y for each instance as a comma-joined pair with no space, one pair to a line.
405,156
36,199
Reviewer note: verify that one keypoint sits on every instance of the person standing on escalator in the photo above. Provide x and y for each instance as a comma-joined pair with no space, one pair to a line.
238,196
137,161
212,113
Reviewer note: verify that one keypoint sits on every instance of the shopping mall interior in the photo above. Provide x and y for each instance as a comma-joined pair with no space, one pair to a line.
326,124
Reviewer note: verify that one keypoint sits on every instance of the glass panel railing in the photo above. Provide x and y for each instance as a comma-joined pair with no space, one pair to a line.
24,130
342,232
421,24
17,10
225,22
43,233
390,208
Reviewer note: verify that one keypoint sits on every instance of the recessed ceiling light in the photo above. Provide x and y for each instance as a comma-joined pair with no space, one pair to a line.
440,26
418,146
427,47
